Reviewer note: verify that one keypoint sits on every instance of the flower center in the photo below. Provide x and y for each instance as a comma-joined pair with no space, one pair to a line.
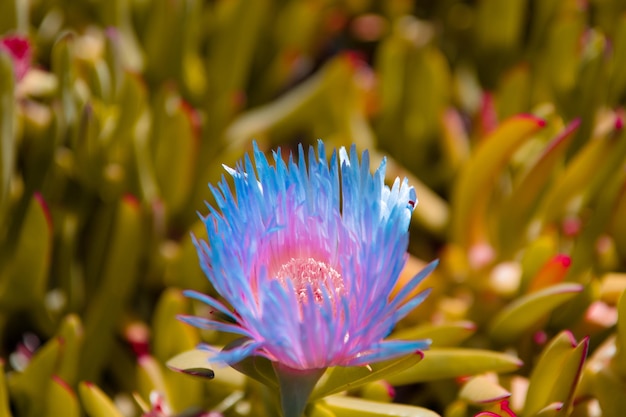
306,273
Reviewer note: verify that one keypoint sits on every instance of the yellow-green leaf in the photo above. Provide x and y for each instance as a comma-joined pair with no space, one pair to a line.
516,211
482,390
525,312
350,407
29,388
61,400
477,177
444,363
95,402
562,357
5,410
343,378
440,335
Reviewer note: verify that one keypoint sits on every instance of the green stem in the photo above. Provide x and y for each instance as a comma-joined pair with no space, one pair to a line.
295,388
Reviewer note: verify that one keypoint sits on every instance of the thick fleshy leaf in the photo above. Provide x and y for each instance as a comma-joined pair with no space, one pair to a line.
349,407
535,256
482,390
619,361
604,195
175,143
565,385
62,65
476,179
617,78
29,388
513,94
517,210
197,362
612,285
71,332
550,410
61,400
556,374
343,378
194,362
440,335
116,282
7,126
150,378
525,312
118,16
608,389
95,402
5,410
617,227
589,166
551,273
443,363
590,88
182,269
172,336
499,28
185,392
499,32
23,278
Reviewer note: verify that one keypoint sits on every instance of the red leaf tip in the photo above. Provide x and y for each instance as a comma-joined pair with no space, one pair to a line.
564,260
44,206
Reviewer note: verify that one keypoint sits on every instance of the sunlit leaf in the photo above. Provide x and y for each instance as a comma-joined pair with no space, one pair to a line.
443,363
96,402
482,390
61,400
525,312
440,335
477,178
342,378
349,406
556,374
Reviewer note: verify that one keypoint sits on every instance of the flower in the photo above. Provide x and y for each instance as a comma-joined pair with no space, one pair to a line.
19,49
307,256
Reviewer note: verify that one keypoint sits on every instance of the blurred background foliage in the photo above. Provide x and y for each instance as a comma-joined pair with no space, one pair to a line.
507,117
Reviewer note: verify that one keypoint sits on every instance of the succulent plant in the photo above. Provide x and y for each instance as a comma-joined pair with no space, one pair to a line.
506,118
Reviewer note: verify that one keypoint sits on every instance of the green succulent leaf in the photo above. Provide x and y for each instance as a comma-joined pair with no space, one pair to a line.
608,389
175,143
350,406
343,378
619,361
95,402
28,389
117,280
7,126
581,173
516,211
556,374
71,332
171,335
550,410
444,363
482,390
23,278
440,335
525,312
196,362
476,179
5,410
61,400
